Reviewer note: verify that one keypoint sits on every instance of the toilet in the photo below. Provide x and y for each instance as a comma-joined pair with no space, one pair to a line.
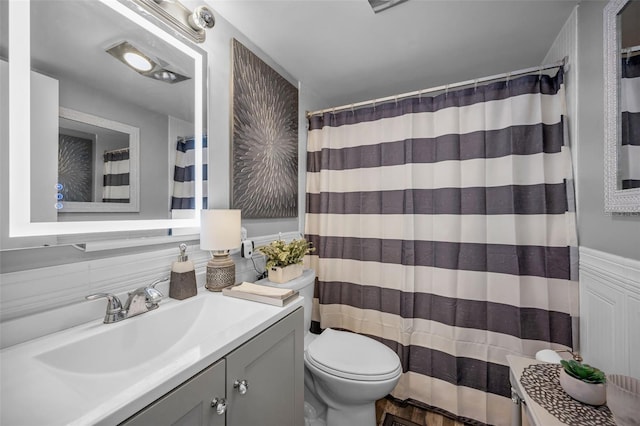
345,373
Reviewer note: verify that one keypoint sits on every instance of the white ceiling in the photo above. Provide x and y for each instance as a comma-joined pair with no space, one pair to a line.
344,53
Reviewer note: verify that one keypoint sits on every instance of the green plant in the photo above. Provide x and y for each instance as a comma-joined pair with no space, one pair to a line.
584,372
283,254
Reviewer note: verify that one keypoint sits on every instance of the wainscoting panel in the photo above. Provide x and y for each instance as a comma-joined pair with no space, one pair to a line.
610,311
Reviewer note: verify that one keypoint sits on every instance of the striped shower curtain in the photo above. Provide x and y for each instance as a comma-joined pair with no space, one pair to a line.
444,227
630,108
184,190
115,179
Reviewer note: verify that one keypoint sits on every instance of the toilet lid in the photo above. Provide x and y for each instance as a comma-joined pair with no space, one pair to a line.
353,356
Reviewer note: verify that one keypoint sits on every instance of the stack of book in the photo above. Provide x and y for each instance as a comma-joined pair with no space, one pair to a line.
261,293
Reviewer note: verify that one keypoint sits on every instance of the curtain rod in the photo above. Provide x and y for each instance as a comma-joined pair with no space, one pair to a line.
508,75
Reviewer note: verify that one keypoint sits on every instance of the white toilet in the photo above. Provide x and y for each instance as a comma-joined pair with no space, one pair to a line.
345,373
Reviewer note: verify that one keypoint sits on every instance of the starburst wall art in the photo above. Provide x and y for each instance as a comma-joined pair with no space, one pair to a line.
264,139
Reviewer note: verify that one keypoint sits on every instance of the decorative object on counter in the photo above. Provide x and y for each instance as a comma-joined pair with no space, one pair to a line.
261,293
542,384
623,399
219,233
183,276
284,260
583,382
264,150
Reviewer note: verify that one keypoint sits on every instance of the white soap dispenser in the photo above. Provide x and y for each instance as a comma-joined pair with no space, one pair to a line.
183,276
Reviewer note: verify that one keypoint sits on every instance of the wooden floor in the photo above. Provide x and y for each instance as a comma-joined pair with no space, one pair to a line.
412,413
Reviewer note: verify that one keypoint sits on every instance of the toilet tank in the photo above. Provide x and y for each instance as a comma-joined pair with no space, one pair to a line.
304,284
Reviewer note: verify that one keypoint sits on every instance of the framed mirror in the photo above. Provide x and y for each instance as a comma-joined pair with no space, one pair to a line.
97,164
622,105
71,77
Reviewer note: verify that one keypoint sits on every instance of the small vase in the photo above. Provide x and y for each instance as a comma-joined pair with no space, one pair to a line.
587,393
281,275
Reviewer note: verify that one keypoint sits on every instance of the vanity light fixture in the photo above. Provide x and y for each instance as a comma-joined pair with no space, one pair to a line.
220,232
143,64
173,13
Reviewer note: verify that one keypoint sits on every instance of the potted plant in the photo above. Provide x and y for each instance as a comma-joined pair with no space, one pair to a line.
583,382
284,260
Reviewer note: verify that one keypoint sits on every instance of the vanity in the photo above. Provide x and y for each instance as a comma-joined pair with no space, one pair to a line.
209,359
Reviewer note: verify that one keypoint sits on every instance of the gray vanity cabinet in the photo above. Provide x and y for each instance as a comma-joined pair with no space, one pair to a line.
265,377
262,382
189,404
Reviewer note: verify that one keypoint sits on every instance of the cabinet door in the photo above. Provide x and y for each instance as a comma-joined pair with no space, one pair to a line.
188,404
272,366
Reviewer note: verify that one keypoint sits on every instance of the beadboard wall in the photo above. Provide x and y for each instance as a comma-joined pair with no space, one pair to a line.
41,301
610,312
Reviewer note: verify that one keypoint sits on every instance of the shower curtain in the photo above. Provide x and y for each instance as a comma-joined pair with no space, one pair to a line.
630,107
115,179
183,196
444,227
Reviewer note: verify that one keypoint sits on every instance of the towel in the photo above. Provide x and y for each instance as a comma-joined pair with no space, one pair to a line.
263,290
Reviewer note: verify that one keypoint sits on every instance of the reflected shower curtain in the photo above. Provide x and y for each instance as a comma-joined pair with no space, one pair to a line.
184,190
115,177
444,228
630,108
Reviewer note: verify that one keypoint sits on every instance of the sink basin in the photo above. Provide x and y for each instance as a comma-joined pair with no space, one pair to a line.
126,344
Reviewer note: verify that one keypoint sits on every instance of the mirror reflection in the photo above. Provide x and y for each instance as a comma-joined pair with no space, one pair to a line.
118,74
125,80
97,164
629,57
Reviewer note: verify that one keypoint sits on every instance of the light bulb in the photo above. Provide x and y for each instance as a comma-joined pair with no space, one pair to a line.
137,61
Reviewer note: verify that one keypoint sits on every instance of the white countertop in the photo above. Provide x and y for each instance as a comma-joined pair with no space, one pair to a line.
41,386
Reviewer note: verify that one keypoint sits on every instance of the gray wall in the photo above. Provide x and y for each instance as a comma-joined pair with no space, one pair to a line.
616,234
218,47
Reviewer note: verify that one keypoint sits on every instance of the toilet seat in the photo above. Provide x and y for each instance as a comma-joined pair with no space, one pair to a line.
352,356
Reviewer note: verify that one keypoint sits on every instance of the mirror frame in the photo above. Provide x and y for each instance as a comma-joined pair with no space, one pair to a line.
134,161
615,199
20,224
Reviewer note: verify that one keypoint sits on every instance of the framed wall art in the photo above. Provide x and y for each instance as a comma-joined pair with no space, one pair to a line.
264,152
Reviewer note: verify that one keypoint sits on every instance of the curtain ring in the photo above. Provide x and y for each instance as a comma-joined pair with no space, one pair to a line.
475,85
353,111
508,78
396,99
446,91
420,96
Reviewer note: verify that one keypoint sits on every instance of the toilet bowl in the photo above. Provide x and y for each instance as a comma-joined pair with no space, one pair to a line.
345,373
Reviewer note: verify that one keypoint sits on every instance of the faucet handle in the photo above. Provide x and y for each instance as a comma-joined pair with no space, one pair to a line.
158,281
153,295
114,306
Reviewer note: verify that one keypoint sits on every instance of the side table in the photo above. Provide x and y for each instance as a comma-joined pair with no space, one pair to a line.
536,414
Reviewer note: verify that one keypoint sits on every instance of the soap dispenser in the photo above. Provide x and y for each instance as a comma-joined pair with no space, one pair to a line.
183,276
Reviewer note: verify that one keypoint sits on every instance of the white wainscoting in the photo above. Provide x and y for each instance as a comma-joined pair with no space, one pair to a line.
610,312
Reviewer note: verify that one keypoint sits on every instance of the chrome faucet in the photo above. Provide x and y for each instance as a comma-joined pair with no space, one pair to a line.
139,301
